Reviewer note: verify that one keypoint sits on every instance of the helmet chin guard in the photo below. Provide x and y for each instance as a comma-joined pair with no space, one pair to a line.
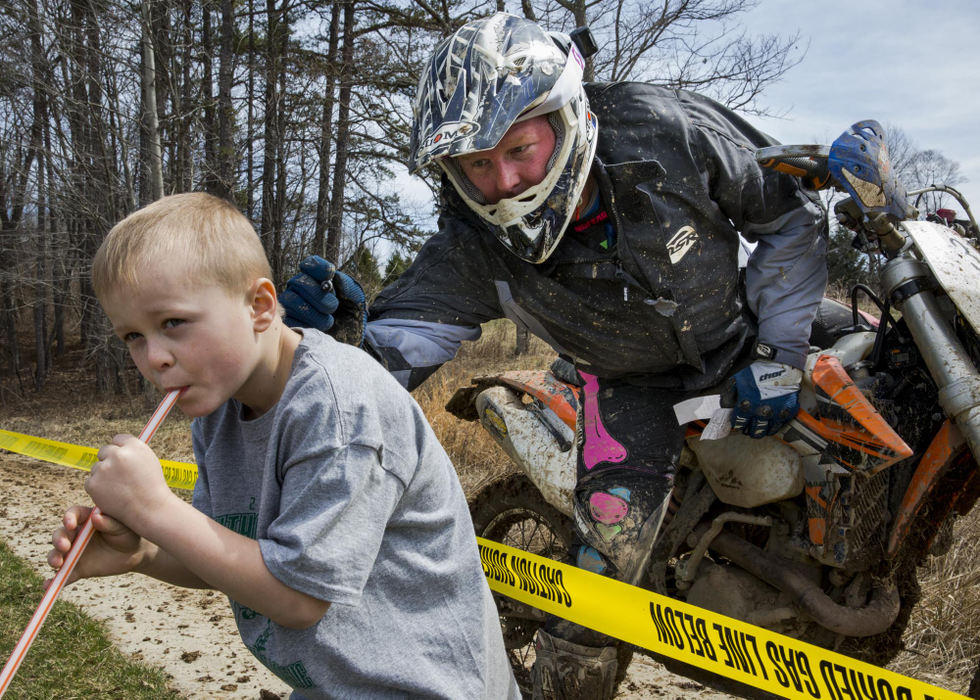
491,74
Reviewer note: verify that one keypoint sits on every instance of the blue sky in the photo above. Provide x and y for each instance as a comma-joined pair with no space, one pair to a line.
911,64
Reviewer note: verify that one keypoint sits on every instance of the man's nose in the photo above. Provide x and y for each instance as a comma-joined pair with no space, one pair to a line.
508,180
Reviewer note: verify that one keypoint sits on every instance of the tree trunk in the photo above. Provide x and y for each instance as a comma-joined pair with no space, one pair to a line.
182,119
209,125
343,136
326,137
226,175
273,174
250,118
41,245
151,121
8,310
92,189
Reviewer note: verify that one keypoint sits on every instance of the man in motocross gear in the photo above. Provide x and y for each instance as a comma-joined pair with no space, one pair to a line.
605,219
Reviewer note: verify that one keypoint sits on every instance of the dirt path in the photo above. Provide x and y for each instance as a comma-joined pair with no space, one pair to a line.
189,633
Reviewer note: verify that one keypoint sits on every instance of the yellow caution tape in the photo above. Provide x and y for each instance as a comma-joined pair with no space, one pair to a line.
722,645
181,475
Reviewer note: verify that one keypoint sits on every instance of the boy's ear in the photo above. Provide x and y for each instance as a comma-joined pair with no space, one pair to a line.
265,306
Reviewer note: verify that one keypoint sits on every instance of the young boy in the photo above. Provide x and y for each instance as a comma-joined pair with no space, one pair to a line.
324,507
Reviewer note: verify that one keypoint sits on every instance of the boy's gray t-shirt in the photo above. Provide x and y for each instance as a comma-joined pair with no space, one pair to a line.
353,501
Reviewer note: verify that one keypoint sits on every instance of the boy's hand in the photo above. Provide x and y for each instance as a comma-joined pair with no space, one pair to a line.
127,482
113,549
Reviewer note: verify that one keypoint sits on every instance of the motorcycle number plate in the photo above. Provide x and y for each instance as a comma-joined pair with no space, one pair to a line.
954,262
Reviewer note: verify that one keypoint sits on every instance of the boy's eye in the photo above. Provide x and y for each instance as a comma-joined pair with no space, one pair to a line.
130,337
173,322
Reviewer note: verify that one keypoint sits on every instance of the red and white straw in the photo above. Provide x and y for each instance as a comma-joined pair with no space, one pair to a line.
74,554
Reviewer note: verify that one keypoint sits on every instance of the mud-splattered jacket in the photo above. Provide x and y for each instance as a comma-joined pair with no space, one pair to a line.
678,178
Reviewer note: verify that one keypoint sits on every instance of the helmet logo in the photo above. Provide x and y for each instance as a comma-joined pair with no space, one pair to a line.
680,243
446,134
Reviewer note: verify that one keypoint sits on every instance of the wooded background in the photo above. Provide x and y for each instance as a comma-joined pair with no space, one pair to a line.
297,110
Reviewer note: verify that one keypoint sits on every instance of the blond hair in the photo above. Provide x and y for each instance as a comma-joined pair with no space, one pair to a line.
206,237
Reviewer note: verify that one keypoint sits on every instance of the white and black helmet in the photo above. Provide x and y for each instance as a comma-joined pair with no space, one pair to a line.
489,75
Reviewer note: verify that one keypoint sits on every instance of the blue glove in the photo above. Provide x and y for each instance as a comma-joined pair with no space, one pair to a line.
766,397
324,298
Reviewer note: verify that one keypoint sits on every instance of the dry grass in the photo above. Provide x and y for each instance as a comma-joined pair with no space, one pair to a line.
68,410
943,638
477,457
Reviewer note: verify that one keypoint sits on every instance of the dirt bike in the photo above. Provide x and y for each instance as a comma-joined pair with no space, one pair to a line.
816,532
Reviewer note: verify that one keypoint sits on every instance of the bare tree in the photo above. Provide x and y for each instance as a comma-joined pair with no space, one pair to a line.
307,132
277,39
151,119
688,44
917,168
326,132
343,135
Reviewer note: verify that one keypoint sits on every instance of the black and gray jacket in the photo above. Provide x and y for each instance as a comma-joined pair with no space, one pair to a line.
678,177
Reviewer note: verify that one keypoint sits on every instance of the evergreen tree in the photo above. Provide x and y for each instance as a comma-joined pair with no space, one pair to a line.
397,264
363,267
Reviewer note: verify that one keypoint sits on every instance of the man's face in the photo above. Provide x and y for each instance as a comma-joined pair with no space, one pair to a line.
517,163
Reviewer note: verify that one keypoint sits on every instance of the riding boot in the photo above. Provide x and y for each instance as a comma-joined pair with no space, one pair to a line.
567,671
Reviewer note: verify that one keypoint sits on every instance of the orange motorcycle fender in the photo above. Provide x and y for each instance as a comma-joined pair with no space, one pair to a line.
560,397
938,456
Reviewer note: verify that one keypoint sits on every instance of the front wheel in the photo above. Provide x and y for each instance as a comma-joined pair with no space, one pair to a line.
511,511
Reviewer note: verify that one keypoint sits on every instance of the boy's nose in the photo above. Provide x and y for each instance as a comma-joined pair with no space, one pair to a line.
158,355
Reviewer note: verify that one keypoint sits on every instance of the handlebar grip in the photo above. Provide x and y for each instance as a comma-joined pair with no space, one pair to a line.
808,163
812,173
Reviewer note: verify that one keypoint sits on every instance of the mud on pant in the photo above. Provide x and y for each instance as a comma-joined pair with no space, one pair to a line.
628,443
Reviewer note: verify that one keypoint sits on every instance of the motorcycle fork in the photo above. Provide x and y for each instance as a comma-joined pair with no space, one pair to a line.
907,283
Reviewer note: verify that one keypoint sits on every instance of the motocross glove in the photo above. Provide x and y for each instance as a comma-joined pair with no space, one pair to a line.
327,299
766,397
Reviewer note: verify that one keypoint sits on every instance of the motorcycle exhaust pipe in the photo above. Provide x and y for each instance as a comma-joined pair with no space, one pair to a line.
874,618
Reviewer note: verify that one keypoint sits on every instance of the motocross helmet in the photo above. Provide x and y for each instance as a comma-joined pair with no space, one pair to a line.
489,75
